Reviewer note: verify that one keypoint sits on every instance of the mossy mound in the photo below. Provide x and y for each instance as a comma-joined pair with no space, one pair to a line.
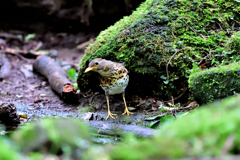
203,132
54,136
215,83
161,40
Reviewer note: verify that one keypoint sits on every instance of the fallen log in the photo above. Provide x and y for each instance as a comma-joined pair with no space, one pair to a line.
57,78
113,129
5,67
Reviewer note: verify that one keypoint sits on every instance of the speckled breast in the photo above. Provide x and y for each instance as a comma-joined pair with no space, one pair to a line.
112,85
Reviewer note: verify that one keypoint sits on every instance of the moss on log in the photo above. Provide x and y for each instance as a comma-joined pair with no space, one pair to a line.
215,83
161,40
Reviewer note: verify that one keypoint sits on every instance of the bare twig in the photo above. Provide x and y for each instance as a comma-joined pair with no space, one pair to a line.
9,36
195,31
171,59
85,44
236,21
202,60
185,89
233,26
228,144
22,52
228,31
199,34
16,54
220,26
172,100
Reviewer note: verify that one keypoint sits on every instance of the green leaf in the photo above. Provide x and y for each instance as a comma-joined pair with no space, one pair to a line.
75,85
167,119
72,74
148,104
20,36
154,124
195,68
163,77
154,117
165,82
28,37
44,51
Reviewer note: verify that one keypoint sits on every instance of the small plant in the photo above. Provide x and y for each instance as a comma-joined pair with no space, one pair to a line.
28,37
195,68
72,75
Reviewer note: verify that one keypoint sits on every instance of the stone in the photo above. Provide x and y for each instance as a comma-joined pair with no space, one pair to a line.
159,43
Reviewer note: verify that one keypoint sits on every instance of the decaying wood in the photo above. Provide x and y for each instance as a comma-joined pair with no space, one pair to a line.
8,115
5,67
113,129
9,36
57,78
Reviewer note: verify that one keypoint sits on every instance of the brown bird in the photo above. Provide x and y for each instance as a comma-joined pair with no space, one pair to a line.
114,79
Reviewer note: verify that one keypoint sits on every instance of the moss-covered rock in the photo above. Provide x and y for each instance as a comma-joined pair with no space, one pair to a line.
161,40
215,83
203,132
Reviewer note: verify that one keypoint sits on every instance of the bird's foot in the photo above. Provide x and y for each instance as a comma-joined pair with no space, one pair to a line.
111,115
126,112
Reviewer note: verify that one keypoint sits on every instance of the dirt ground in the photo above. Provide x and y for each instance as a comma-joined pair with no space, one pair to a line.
25,86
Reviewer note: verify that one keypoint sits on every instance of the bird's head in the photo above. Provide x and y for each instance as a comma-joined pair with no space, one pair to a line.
99,65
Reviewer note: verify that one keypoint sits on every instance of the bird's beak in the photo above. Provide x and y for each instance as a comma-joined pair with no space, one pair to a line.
89,69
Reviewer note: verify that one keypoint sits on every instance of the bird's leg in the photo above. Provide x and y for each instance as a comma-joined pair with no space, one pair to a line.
109,112
126,109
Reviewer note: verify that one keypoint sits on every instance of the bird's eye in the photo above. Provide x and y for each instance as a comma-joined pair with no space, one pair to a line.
96,63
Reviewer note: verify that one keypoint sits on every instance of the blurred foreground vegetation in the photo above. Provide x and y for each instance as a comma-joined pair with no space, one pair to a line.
211,130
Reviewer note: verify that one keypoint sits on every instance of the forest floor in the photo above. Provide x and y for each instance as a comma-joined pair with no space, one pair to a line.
26,87
23,85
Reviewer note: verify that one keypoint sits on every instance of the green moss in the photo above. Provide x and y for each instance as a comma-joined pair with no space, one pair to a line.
215,83
8,150
53,136
201,133
234,43
163,38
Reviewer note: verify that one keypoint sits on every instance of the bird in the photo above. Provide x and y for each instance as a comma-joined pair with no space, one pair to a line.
114,79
